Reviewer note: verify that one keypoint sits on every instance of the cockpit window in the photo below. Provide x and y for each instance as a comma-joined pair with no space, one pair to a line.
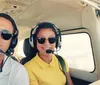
77,50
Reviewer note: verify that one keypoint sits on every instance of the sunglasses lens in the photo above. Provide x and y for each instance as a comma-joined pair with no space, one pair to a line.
52,40
41,40
6,35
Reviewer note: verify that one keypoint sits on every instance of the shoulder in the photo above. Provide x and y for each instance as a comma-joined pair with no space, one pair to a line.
18,72
61,58
14,63
16,66
30,63
63,61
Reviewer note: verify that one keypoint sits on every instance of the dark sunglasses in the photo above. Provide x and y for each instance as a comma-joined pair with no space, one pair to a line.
51,40
5,34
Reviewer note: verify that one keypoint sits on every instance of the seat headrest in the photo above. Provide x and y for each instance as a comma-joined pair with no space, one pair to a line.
28,51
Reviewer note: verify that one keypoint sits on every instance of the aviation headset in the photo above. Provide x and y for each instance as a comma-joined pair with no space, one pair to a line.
36,28
14,40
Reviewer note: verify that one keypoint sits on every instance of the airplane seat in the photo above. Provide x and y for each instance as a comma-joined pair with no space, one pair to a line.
28,51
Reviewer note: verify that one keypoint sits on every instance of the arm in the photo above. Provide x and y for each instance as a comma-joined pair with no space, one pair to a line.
69,79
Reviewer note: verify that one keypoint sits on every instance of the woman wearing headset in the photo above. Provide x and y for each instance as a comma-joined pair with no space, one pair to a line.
44,68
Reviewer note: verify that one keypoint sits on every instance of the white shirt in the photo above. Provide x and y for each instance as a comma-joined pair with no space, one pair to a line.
13,73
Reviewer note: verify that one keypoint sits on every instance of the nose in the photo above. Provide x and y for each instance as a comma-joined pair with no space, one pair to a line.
46,42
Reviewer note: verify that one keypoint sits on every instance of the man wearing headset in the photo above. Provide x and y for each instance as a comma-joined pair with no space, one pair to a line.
11,72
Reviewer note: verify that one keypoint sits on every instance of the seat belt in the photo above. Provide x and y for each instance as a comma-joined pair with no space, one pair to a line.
63,65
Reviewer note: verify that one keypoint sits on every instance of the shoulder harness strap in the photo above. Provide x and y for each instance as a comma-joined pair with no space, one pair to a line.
63,65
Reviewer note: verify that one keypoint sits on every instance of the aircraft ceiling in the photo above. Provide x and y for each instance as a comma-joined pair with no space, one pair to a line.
28,12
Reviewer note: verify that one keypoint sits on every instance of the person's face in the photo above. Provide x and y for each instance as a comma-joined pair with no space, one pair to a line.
44,36
5,25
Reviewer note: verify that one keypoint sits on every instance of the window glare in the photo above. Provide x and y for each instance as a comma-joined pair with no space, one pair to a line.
76,49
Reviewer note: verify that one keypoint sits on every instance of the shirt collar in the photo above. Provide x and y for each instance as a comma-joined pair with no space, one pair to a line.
44,64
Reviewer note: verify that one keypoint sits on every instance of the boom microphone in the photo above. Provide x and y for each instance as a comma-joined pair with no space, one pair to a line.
49,51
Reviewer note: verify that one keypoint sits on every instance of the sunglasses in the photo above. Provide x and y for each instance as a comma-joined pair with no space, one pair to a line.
51,40
5,34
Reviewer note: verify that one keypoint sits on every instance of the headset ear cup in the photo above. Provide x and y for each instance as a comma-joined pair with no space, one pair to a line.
58,42
13,43
31,41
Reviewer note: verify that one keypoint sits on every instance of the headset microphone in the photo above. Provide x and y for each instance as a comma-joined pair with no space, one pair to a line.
49,51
